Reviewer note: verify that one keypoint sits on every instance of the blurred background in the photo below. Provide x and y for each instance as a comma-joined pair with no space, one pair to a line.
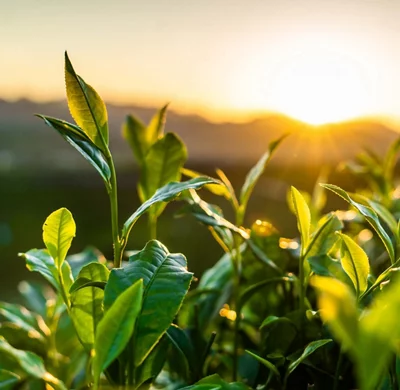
237,74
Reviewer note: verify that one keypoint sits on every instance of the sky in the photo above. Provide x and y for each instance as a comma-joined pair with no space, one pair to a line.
316,60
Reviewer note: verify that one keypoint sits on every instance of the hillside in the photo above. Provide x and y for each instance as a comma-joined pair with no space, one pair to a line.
27,144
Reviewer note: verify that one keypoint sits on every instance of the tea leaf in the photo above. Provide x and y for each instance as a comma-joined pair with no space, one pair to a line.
216,189
162,165
355,263
87,303
324,238
164,194
79,140
265,363
256,172
166,282
31,364
215,382
369,215
309,349
86,107
303,216
155,129
58,231
338,309
116,328
26,320
153,364
39,260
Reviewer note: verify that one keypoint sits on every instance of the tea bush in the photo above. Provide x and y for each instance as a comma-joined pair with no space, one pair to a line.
319,311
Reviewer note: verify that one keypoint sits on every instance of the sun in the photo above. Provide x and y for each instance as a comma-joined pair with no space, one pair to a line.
321,87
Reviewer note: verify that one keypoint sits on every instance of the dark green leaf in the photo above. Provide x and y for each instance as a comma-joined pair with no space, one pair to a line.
164,194
86,107
166,282
216,382
265,363
309,349
87,303
78,139
116,328
369,215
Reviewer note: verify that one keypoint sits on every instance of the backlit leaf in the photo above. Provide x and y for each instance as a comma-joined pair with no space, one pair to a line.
58,232
86,107
355,263
369,215
303,216
87,303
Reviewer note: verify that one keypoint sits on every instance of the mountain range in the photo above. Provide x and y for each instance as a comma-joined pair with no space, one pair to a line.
27,144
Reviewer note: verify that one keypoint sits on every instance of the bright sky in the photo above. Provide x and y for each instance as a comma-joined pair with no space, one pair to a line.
316,60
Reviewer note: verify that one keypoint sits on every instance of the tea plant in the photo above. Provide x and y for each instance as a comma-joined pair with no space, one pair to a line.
315,311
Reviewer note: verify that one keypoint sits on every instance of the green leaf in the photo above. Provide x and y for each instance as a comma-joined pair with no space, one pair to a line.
153,364
164,194
181,342
338,309
26,320
379,335
324,238
135,132
30,363
87,303
251,290
324,265
265,363
210,215
162,165
166,282
8,380
39,260
355,263
155,129
58,232
386,216
309,349
82,143
369,215
256,172
86,107
89,255
116,328
216,189
303,216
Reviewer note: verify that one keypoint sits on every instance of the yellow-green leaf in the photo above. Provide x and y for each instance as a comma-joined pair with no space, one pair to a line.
86,107
355,263
58,231
303,216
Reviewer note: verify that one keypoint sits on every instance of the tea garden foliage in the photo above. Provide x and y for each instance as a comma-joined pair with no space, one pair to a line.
321,310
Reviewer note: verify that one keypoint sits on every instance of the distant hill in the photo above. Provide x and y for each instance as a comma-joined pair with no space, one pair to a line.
27,144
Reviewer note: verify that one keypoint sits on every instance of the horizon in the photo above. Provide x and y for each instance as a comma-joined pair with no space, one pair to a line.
315,61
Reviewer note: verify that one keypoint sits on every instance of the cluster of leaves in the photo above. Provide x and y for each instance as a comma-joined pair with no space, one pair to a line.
273,313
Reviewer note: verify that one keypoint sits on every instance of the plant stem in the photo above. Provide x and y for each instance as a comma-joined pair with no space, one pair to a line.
152,225
337,372
131,364
237,266
112,193
301,285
